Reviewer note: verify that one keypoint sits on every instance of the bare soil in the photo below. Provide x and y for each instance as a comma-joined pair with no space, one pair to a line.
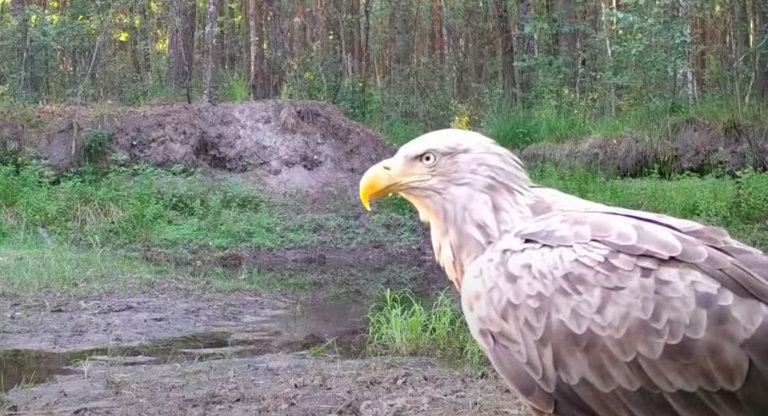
274,384
282,146
331,262
175,352
695,146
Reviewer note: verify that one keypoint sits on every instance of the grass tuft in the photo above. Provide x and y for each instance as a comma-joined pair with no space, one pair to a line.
401,325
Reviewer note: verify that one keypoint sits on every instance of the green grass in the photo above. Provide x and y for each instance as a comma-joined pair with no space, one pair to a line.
98,219
27,267
179,210
401,324
517,128
738,205
30,267
81,231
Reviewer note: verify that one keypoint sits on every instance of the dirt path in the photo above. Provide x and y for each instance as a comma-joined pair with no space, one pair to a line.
172,352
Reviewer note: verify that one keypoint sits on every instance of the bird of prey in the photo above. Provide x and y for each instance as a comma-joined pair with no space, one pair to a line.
586,309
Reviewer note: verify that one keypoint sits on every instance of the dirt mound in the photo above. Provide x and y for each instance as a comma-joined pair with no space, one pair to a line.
283,146
689,146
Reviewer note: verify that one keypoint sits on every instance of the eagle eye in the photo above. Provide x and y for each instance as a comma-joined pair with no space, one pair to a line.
428,158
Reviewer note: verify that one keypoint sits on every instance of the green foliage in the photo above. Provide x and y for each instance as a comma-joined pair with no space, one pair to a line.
399,132
236,88
400,324
175,209
29,266
517,128
97,148
736,204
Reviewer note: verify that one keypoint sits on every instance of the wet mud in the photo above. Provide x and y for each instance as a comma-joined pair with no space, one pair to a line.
185,353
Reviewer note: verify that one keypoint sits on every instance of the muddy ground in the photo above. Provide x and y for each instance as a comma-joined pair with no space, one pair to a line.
176,352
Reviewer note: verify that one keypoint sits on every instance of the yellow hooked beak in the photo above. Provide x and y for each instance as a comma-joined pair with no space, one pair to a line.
381,179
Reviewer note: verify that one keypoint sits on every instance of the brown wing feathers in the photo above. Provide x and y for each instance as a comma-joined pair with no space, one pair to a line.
640,320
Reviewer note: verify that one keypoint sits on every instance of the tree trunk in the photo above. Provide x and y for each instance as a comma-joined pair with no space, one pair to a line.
212,50
181,44
698,49
257,73
366,60
352,37
507,51
525,45
401,10
569,43
761,43
273,38
686,77
739,37
389,52
436,39
414,58
223,35
19,10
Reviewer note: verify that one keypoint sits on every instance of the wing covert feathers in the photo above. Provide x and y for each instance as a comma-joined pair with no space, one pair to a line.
599,313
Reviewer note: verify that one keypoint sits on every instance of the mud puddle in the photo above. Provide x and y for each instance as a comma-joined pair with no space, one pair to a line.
274,326
176,353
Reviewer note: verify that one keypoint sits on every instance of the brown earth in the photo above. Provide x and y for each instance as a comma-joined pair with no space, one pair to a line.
174,352
686,146
282,146
273,384
311,259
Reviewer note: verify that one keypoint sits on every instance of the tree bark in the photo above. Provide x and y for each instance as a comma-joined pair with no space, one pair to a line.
569,43
353,38
507,52
526,45
403,28
761,43
687,79
436,39
212,50
257,73
181,44
366,60
19,10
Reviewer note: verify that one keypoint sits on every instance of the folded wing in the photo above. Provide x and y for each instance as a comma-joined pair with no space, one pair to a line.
610,313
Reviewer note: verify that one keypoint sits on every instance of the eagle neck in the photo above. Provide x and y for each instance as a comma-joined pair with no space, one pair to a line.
465,227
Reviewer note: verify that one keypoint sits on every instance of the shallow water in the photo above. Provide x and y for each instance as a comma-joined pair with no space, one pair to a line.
279,330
